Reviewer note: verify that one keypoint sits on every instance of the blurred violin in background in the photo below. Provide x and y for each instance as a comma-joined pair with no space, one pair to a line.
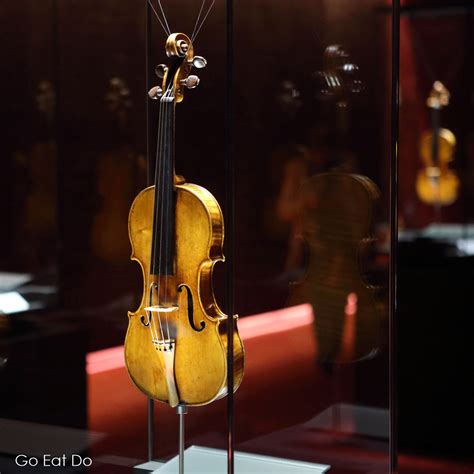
436,184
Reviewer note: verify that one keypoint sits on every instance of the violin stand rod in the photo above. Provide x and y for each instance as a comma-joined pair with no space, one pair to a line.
152,464
151,428
181,410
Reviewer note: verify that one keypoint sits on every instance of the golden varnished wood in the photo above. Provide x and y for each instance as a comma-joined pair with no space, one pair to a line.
436,183
200,365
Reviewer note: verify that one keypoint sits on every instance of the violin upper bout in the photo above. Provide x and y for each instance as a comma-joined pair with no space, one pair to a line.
202,211
139,226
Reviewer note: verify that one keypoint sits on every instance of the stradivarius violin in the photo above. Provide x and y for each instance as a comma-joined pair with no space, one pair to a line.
176,343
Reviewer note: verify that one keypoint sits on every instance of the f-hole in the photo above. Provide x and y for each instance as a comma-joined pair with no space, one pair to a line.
202,324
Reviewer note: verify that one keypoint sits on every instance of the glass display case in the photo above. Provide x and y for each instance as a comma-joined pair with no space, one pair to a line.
289,137
435,223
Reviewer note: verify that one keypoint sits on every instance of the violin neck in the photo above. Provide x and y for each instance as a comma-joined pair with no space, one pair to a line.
163,240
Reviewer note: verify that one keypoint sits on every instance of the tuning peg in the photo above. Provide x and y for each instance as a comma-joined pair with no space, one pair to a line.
349,68
191,81
160,70
155,93
198,62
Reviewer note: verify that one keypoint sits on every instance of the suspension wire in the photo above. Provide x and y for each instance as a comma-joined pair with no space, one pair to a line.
158,17
198,18
164,17
203,21
164,22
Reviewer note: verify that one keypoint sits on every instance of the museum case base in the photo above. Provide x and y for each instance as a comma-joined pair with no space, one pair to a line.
150,466
199,460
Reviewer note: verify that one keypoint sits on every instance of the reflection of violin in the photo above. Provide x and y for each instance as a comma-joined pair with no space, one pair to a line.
41,203
175,348
39,220
436,184
338,214
116,183
339,83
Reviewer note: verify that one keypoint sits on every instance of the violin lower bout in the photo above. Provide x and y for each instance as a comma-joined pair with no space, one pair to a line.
200,361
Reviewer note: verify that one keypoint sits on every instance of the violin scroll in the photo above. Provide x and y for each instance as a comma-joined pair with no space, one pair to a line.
339,80
439,96
178,76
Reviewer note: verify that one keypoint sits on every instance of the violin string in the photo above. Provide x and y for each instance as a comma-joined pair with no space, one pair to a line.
198,18
164,17
158,17
153,329
161,204
158,179
170,144
159,183
161,326
164,214
164,120
203,21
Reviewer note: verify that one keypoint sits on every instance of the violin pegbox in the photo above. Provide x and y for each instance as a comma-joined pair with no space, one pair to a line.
340,78
439,96
177,77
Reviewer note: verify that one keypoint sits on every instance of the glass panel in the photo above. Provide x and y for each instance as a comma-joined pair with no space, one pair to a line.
312,231
74,70
311,149
63,382
436,234
29,239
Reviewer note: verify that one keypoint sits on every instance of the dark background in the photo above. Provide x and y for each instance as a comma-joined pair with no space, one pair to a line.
79,45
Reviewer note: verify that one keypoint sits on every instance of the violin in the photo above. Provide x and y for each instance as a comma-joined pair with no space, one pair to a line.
176,342
436,183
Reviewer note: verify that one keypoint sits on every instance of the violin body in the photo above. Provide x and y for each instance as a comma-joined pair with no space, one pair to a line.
436,184
199,326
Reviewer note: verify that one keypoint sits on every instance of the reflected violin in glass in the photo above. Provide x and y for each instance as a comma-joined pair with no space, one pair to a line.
336,213
117,175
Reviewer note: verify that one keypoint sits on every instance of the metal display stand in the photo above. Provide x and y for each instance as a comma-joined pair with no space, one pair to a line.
181,410
152,464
